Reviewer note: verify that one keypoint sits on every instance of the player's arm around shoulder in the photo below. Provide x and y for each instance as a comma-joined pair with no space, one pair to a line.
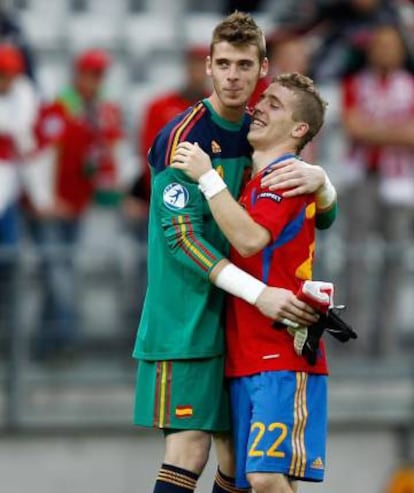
296,177
247,236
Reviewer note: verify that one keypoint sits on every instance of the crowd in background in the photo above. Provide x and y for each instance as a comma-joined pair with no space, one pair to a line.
60,158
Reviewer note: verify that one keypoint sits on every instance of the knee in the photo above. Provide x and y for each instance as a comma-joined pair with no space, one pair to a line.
262,482
225,455
188,450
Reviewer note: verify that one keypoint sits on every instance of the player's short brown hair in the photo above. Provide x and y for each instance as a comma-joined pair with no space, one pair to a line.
309,108
239,29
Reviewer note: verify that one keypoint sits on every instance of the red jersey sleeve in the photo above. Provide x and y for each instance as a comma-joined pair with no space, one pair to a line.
274,212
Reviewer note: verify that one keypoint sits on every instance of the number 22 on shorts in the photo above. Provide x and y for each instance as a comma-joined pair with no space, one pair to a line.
281,432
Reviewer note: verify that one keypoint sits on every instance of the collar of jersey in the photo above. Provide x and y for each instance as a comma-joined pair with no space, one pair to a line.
220,121
283,157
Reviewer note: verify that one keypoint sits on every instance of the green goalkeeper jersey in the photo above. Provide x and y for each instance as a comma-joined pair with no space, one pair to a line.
182,313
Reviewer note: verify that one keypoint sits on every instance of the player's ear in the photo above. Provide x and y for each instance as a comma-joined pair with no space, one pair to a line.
264,68
300,129
208,66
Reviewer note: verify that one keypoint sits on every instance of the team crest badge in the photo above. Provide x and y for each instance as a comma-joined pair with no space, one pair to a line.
175,196
215,147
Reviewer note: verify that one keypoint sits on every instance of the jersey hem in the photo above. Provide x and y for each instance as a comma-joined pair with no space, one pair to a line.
249,373
175,356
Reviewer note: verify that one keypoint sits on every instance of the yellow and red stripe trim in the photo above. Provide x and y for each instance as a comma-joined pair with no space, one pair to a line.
192,247
182,129
177,479
162,404
298,462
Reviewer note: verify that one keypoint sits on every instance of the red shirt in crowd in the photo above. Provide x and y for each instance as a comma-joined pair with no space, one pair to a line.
84,142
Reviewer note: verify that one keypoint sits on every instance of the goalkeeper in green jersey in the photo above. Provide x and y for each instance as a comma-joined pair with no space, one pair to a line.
180,340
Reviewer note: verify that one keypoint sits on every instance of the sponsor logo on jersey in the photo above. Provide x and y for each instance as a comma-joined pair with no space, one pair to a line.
270,195
175,196
184,411
215,147
317,464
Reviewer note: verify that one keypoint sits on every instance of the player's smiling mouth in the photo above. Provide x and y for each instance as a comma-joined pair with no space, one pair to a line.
256,122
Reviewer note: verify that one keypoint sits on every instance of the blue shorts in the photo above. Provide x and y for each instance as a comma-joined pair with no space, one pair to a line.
279,424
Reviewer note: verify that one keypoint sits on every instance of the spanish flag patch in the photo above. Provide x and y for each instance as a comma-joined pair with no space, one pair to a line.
184,411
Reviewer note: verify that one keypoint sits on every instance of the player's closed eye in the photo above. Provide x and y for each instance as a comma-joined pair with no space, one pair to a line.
246,65
222,63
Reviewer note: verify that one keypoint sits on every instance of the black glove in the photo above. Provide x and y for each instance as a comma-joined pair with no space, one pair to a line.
335,326
330,322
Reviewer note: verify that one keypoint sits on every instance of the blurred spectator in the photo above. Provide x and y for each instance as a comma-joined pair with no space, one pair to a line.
341,28
18,108
79,136
164,107
159,112
10,32
288,51
379,121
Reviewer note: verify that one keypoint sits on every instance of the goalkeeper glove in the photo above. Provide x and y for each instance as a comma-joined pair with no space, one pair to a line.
319,295
331,323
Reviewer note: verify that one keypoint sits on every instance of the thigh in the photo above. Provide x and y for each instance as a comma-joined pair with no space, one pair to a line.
241,411
182,395
287,433
187,449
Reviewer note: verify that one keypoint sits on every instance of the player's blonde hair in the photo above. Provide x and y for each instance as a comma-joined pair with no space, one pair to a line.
240,29
309,105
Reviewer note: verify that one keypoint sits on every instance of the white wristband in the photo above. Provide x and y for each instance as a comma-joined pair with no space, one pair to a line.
238,283
325,196
211,183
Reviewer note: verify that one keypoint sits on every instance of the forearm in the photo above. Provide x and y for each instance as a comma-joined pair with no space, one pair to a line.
326,205
324,220
399,135
378,135
275,303
245,235
374,133
189,247
233,280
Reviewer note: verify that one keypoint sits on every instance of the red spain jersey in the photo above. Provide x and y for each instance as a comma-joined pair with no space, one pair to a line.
86,160
253,345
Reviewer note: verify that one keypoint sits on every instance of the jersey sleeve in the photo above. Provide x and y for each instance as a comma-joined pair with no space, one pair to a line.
180,208
325,219
276,213
184,127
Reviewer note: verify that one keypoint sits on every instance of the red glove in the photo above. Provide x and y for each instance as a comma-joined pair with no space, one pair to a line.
319,295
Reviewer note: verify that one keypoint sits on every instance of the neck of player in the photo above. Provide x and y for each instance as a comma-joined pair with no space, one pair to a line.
232,114
263,157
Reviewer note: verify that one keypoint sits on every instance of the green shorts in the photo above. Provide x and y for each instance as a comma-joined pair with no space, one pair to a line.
182,395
